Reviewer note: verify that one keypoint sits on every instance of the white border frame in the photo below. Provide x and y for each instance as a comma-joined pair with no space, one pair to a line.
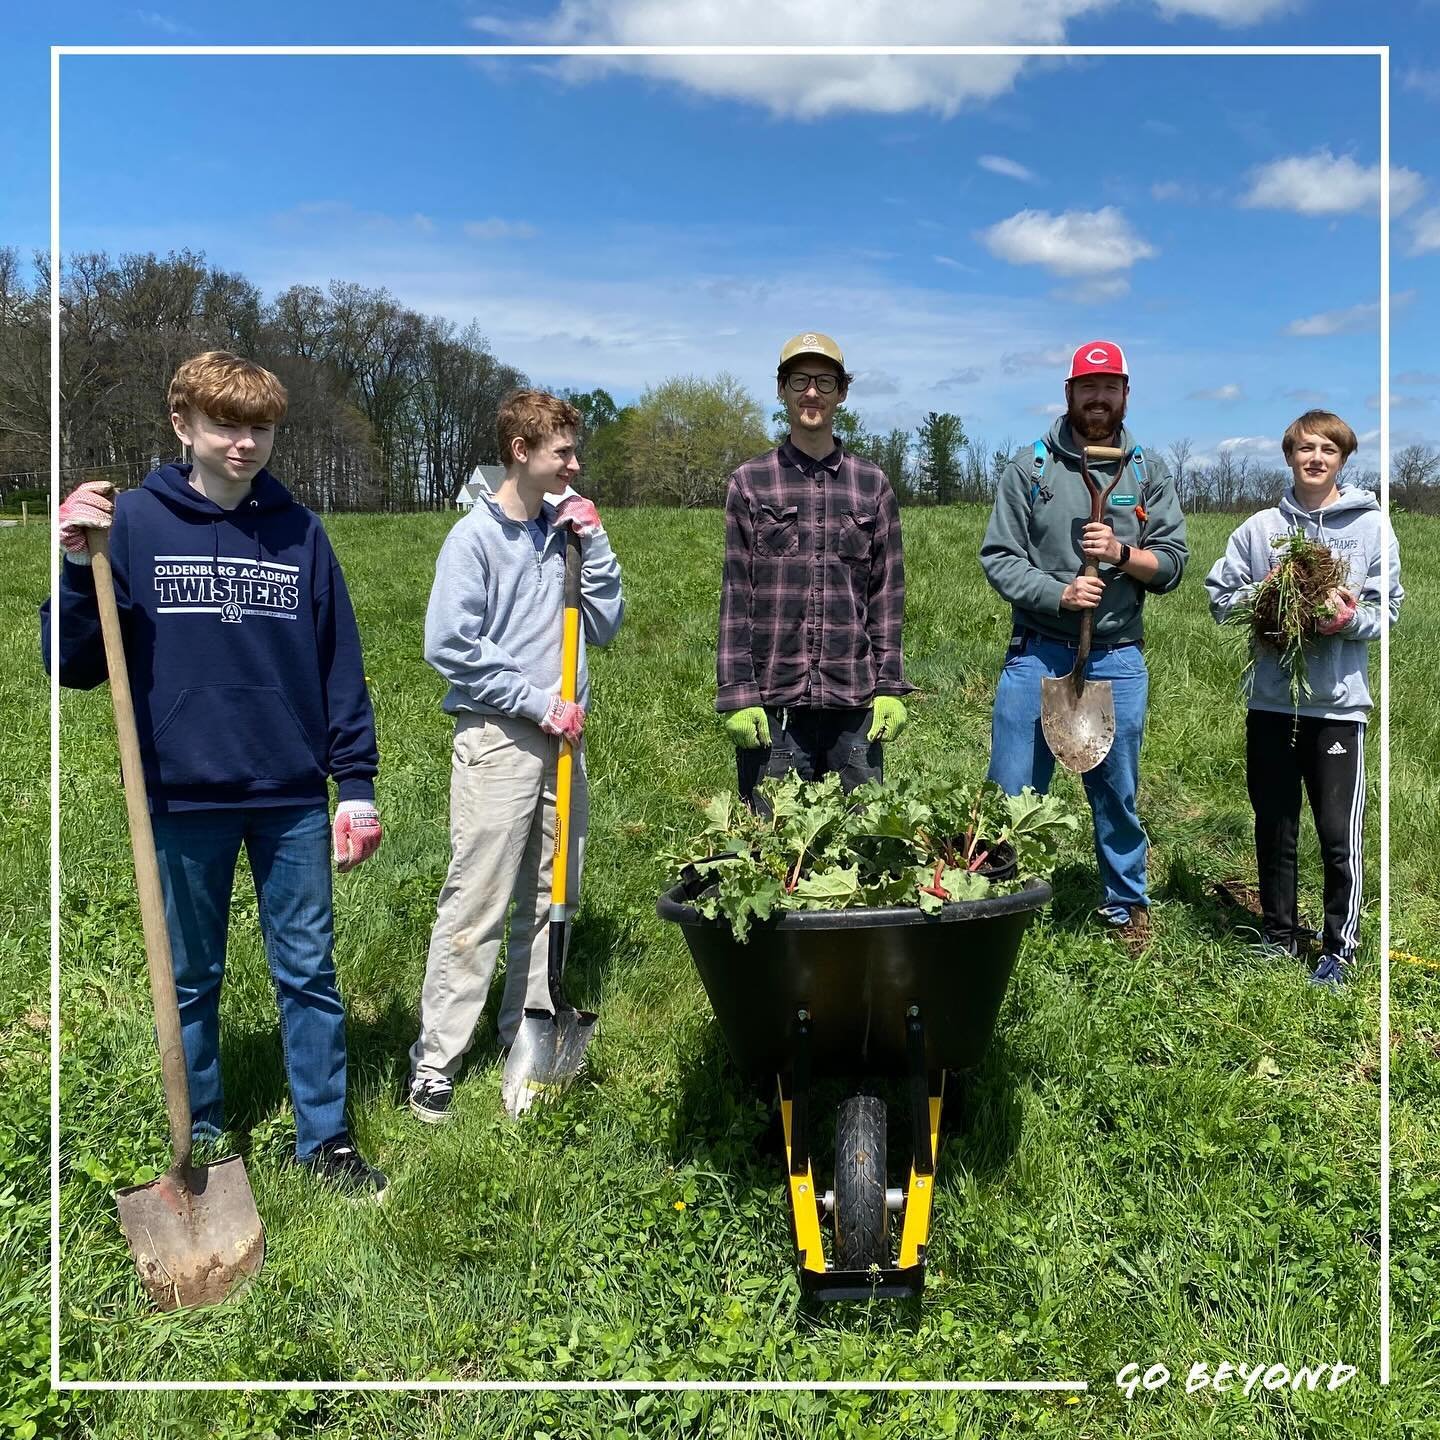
1382,52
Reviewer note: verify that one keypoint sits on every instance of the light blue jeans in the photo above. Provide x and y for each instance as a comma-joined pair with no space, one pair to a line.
1019,755
289,851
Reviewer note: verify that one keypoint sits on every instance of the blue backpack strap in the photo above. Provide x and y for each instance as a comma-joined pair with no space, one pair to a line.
1037,470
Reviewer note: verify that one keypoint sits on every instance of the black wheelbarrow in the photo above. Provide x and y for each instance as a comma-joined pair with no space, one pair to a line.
884,993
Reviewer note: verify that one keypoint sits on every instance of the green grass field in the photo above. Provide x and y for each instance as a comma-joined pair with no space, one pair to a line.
1173,1159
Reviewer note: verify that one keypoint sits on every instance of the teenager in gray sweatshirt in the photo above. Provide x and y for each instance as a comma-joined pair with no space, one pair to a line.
493,630
1321,743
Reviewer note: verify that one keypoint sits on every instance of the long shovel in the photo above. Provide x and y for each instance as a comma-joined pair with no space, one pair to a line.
1078,716
549,1047
194,1232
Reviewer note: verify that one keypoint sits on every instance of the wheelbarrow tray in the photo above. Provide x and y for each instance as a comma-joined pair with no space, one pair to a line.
858,973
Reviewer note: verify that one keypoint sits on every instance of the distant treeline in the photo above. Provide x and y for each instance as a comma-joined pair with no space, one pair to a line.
392,410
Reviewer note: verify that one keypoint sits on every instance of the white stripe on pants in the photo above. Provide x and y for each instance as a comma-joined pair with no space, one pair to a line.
502,840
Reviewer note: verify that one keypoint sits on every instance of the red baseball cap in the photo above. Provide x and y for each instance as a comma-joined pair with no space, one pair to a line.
1098,357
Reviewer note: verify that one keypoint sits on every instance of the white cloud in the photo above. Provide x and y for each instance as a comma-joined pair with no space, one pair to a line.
1093,292
1220,395
1417,377
1048,412
999,165
1353,320
814,85
1021,362
497,229
1326,184
1424,82
1400,402
1425,233
423,223
1084,243
1252,447
953,264
958,378
1226,12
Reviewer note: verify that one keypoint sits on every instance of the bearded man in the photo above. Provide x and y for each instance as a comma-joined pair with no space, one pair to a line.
1039,536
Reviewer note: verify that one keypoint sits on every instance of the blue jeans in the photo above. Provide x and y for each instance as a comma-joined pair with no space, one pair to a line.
289,851
1019,755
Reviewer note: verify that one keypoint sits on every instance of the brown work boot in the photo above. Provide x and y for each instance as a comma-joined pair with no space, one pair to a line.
1135,932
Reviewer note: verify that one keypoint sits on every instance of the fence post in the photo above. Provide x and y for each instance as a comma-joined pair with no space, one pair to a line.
24,512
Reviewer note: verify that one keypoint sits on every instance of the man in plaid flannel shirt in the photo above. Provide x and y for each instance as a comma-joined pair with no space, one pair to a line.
810,666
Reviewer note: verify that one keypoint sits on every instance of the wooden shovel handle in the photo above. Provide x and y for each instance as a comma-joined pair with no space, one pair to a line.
147,869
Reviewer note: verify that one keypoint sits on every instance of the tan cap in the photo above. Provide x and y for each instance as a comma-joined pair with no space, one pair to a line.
811,343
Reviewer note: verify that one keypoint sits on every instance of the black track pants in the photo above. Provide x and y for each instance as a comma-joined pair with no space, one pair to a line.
1328,757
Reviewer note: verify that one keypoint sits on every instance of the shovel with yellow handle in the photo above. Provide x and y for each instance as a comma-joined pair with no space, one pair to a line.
1077,716
194,1232
549,1047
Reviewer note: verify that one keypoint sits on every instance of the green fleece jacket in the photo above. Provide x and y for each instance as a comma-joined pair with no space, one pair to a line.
1031,550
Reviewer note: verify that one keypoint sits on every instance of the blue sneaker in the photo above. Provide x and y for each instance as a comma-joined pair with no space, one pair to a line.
1113,915
1332,972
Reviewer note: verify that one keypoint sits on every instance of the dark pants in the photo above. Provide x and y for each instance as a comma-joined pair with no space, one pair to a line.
816,743
1328,758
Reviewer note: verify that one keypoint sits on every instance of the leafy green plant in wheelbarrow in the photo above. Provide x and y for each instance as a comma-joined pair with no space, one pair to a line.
863,935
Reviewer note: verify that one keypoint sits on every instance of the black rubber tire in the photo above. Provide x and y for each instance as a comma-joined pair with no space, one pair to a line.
862,1221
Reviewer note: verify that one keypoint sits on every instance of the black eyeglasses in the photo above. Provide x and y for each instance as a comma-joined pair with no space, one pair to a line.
800,382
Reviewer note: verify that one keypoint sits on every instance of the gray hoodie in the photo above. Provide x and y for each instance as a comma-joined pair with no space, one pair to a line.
494,625
1031,550
1337,666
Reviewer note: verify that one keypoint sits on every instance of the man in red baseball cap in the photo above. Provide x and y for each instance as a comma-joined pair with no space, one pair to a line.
1039,536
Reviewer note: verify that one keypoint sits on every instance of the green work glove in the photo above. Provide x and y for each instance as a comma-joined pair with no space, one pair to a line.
748,729
890,719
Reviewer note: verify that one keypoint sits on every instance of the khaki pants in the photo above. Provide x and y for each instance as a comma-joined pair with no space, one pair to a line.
502,840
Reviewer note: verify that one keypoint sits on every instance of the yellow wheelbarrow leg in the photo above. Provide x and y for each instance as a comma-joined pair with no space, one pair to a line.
803,1204
915,1234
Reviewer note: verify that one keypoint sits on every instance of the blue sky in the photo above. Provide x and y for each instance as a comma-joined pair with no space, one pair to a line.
956,224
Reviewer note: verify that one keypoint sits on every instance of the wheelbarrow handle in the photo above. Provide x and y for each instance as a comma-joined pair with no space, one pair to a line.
147,869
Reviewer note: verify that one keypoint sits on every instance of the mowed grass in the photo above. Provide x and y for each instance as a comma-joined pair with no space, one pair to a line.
1172,1159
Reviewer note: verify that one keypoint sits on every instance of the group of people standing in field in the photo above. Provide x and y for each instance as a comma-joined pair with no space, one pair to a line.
250,694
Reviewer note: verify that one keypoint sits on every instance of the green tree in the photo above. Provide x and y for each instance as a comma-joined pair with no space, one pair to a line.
941,439
597,409
686,436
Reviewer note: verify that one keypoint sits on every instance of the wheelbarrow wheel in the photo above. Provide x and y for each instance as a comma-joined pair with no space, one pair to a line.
862,1220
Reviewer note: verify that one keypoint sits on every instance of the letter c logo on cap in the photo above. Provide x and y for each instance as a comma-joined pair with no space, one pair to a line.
1097,356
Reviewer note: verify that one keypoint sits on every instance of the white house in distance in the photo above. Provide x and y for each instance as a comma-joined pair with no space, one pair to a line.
483,477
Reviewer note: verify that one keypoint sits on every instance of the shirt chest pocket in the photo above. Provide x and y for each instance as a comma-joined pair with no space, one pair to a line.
777,530
857,535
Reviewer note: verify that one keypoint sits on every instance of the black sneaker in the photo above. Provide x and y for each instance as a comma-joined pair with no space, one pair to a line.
1273,947
340,1165
430,1100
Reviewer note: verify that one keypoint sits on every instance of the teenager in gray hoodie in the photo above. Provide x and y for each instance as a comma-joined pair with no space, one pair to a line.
1320,744
493,631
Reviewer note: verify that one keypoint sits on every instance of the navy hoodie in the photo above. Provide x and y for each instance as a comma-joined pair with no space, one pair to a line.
243,652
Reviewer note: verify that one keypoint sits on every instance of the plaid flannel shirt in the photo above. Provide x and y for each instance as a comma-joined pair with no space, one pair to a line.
813,595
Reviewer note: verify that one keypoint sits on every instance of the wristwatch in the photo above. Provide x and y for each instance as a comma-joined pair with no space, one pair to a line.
1124,559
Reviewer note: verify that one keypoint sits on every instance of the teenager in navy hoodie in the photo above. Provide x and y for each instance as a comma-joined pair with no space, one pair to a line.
249,696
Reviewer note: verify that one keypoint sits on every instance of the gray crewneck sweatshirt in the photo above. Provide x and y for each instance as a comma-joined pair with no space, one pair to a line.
493,628
1337,666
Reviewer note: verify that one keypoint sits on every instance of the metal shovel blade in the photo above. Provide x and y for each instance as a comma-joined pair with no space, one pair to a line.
548,1053
196,1235
1078,723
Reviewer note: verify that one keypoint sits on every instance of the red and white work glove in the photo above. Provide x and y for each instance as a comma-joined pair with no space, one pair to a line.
581,514
90,506
1342,612
356,833
564,718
